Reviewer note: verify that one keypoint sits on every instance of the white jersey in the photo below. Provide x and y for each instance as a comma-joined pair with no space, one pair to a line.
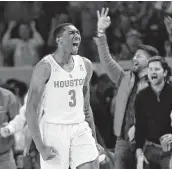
63,100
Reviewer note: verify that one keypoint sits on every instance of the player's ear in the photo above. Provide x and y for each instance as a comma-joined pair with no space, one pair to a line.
59,40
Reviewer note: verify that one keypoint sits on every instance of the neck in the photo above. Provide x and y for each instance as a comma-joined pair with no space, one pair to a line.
158,87
142,73
62,57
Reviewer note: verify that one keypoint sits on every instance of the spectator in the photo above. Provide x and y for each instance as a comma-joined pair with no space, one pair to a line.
25,47
9,109
19,88
2,56
34,154
153,123
167,47
17,124
133,41
156,34
128,84
18,155
168,43
102,116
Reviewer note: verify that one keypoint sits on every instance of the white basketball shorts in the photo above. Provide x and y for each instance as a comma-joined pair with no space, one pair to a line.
74,143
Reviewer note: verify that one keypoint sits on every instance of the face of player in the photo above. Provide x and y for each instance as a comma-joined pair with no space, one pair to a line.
156,73
24,32
71,39
140,60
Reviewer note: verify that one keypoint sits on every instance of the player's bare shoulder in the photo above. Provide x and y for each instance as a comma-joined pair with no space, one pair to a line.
40,75
42,71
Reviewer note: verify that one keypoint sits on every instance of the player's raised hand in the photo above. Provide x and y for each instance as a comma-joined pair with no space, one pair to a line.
103,20
48,152
168,24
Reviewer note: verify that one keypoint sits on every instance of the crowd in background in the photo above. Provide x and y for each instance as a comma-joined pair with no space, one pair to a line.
26,36
133,23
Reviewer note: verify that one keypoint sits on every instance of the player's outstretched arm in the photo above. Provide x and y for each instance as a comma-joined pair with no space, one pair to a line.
13,110
86,91
40,75
112,68
19,122
15,125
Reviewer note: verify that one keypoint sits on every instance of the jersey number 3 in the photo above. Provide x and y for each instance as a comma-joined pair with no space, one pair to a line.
72,93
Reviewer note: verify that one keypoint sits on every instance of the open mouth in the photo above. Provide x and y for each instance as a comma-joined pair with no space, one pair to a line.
154,77
75,44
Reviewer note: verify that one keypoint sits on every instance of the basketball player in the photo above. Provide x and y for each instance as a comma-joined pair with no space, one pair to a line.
61,82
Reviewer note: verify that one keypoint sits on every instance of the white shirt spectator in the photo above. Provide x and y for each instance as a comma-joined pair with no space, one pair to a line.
19,128
26,49
18,123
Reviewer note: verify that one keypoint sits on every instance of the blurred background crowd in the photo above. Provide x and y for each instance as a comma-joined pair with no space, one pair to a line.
26,36
133,23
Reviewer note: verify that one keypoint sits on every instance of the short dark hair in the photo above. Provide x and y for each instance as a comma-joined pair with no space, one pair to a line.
152,51
59,29
157,58
164,64
24,23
